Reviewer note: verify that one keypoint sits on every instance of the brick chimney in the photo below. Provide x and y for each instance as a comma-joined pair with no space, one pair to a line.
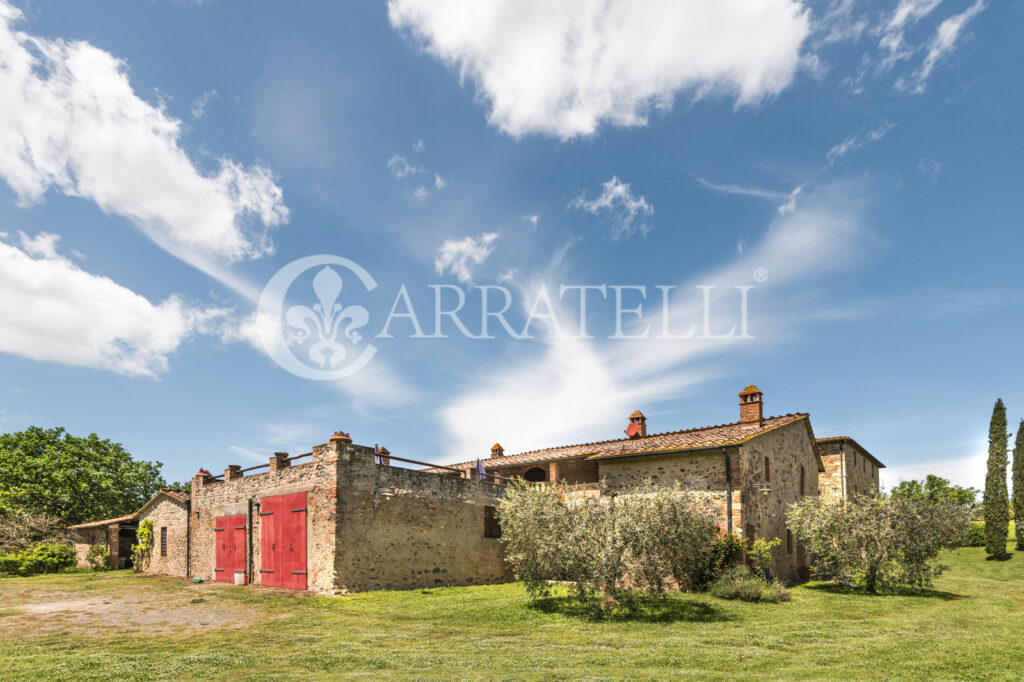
751,405
637,425
497,450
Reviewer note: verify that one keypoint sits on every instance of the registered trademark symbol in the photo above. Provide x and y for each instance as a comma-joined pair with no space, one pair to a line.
760,275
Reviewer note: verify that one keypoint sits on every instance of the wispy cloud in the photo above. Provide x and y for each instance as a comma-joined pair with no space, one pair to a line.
73,123
250,454
856,142
199,105
592,384
788,199
403,169
620,206
460,257
942,44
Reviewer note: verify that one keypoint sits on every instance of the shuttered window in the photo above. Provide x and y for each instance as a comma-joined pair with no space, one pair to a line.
163,541
492,529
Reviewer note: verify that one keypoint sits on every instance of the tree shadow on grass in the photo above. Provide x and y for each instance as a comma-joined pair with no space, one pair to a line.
834,588
667,609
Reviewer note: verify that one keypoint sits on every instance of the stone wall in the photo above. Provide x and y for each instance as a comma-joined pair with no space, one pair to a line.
242,494
171,514
788,449
403,528
83,539
568,470
861,474
699,470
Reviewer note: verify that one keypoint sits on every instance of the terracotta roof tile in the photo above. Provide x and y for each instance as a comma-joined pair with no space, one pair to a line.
720,435
835,439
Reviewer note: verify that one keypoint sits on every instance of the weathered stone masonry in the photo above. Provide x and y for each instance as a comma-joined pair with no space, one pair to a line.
369,526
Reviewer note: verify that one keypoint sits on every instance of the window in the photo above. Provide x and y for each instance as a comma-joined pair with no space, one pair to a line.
163,541
767,471
748,531
801,481
789,541
492,528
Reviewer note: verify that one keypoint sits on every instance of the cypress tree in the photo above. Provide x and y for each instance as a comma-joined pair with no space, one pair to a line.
997,504
1018,486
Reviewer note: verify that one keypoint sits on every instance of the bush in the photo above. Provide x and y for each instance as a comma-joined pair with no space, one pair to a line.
645,537
143,547
39,558
20,528
737,582
975,535
98,557
876,541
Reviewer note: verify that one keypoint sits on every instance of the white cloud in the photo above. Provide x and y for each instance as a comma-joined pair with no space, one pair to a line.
419,146
856,142
965,471
942,44
54,311
532,219
585,388
731,188
250,454
563,69
421,193
930,168
199,105
617,203
71,122
401,168
461,256
891,39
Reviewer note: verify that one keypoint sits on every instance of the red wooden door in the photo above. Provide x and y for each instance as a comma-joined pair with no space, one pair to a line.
283,541
230,535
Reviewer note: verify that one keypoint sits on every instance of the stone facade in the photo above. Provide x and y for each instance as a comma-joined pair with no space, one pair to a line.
170,517
83,539
758,505
368,526
849,468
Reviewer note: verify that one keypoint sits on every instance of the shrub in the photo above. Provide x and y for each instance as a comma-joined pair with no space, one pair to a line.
143,547
644,537
98,557
875,541
20,528
38,558
975,535
761,553
737,582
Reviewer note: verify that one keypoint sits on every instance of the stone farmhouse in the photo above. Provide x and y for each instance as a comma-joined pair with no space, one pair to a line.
342,518
753,468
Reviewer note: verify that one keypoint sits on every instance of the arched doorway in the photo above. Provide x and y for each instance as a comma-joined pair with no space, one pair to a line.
536,475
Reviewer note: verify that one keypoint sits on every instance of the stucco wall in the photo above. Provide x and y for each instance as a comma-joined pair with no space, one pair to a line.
401,528
317,478
170,514
788,448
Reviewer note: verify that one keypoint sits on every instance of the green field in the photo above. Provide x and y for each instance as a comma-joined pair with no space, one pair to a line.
123,626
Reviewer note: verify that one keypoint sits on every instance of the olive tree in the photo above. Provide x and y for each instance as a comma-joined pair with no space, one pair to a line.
876,541
645,537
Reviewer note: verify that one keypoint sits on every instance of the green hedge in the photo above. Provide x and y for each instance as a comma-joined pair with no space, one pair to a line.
39,558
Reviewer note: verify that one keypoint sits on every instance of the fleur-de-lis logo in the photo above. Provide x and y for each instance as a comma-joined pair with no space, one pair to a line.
325,332
325,319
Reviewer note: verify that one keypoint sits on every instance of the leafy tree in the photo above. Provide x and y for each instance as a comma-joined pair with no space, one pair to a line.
878,542
1018,486
51,472
644,537
937,489
997,512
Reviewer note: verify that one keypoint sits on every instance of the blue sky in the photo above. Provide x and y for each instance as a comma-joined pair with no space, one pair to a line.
159,162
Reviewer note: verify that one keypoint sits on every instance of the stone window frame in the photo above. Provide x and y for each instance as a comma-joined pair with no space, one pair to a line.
163,540
492,527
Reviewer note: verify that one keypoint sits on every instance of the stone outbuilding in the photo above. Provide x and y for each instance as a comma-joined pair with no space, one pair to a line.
169,512
337,519
116,535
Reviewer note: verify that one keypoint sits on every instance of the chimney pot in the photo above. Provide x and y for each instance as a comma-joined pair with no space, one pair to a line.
637,425
751,405
497,450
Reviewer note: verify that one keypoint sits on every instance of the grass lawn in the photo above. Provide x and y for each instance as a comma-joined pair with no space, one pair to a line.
122,626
